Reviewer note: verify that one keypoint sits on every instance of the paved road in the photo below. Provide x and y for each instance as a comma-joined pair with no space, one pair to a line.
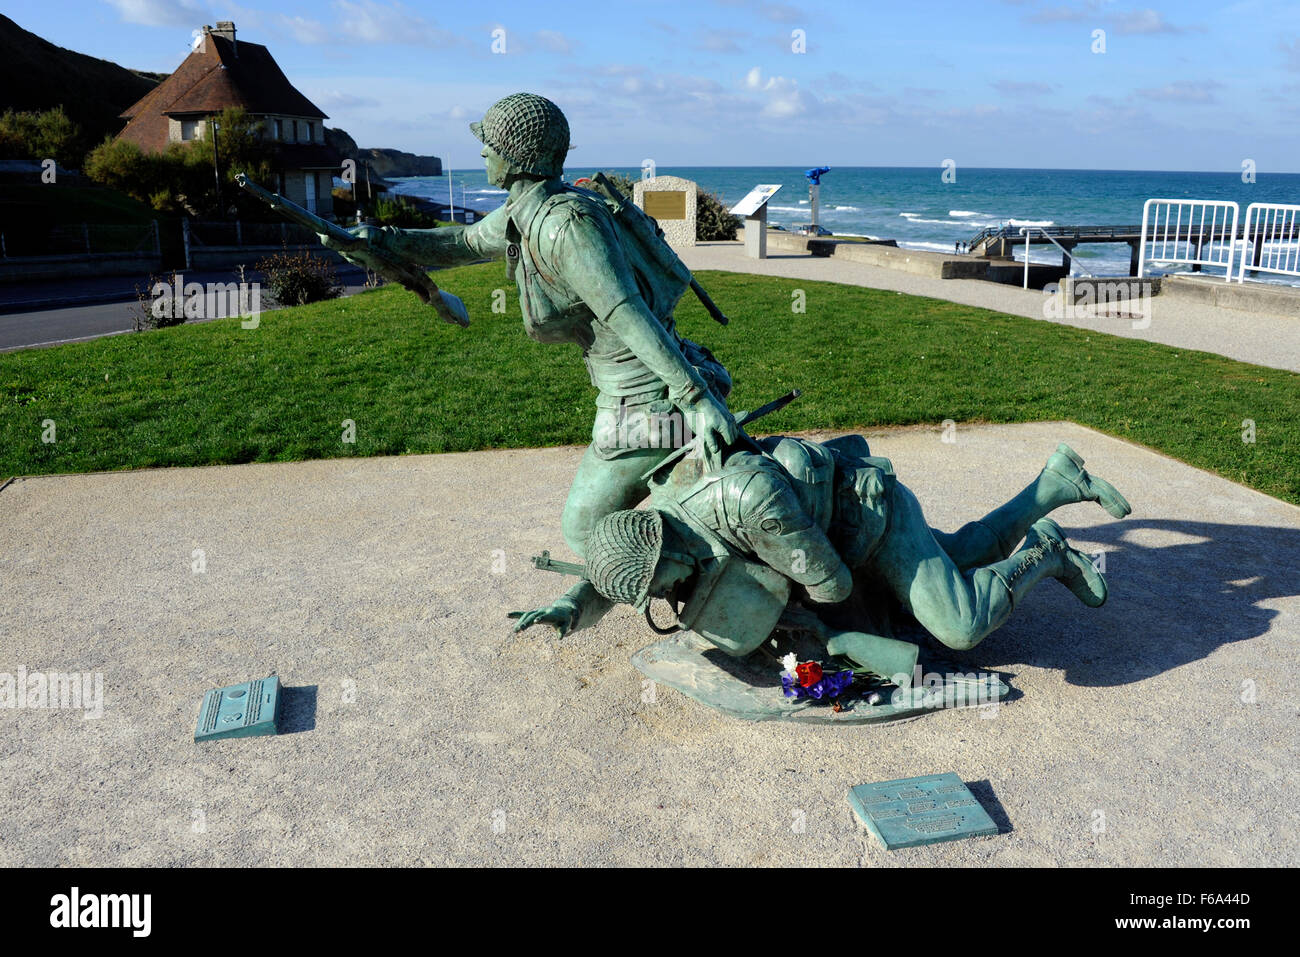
46,314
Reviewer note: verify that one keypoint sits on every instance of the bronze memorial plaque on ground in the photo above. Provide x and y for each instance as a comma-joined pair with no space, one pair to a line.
666,203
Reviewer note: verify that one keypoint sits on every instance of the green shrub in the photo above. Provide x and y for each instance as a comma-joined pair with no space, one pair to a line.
181,177
712,219
625,184
45,135
143,316
295,279
345,206
396,211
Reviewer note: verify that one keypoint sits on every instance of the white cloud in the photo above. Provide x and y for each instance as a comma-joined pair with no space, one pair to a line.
1139,21
553,41
781,96
1022,87
306,31
1183,91
161,13
721,40
366,21
1144,21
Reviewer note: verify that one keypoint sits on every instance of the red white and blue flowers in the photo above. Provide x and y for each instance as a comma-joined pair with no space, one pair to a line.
806,679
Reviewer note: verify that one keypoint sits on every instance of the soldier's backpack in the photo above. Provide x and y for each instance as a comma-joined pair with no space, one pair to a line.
658,269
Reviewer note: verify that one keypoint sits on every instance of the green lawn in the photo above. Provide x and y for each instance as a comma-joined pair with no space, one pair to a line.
216,393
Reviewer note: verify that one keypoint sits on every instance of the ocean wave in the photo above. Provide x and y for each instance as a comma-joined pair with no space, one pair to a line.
1031,222
964,223
921,244
847,209
963,212
788,209
910,215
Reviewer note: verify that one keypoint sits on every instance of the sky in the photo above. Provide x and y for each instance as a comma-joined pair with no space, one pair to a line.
1090,84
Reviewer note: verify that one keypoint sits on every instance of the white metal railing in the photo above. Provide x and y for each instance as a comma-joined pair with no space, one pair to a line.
1273,234
1026,230
1185,236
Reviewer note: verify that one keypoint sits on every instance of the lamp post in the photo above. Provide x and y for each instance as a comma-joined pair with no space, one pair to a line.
216,165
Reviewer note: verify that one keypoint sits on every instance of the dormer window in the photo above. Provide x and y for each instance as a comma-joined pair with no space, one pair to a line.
276,128
189,130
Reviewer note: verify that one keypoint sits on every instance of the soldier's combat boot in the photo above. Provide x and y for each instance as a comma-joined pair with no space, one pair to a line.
1065,467
1063,481
1046,554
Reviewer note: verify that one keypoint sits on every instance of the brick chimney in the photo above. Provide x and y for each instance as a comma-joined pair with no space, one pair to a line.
226,29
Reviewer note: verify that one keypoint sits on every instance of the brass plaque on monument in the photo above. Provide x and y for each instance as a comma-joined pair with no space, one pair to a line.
665,203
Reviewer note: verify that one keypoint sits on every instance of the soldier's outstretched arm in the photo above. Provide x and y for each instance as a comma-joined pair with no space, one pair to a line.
454,245
580,607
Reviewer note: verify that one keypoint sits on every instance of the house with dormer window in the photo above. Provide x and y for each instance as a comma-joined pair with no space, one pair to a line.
222,72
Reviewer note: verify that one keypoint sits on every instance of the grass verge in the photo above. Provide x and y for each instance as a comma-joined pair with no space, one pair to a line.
215,393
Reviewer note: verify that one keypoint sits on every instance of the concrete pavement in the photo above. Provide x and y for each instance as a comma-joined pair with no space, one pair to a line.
1160,729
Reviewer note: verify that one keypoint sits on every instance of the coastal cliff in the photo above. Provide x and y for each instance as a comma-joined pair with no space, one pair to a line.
385,163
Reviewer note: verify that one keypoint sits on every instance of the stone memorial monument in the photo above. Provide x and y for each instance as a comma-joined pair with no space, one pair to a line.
670,200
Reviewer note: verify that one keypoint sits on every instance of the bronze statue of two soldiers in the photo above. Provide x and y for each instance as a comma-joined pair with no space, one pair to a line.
786,527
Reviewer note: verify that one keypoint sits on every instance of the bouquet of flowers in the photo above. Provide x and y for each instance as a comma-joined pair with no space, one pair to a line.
806,679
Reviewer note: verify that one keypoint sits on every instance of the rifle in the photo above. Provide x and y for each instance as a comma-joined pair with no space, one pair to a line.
775,405
546,563
638,220
389,266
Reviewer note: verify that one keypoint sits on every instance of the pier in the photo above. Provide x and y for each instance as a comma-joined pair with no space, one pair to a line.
996,241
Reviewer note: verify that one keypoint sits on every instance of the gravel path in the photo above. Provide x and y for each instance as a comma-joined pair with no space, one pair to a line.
1160,729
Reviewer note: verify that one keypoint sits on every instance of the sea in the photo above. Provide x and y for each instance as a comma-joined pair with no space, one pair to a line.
918,209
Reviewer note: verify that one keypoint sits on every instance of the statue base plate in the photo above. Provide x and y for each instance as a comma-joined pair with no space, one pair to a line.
247,710
911,812
750,688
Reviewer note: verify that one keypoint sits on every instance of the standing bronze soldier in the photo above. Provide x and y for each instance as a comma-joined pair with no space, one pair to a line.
580,283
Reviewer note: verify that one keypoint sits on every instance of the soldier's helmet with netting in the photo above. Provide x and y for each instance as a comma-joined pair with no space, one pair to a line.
527,130
622,553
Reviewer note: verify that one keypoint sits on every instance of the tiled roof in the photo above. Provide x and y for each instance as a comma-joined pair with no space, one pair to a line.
222,74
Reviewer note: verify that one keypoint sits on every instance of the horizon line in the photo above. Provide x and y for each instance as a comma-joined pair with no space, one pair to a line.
1018,169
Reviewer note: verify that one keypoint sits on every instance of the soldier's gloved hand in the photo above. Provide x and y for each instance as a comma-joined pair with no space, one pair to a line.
714,426
562,615
365,238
